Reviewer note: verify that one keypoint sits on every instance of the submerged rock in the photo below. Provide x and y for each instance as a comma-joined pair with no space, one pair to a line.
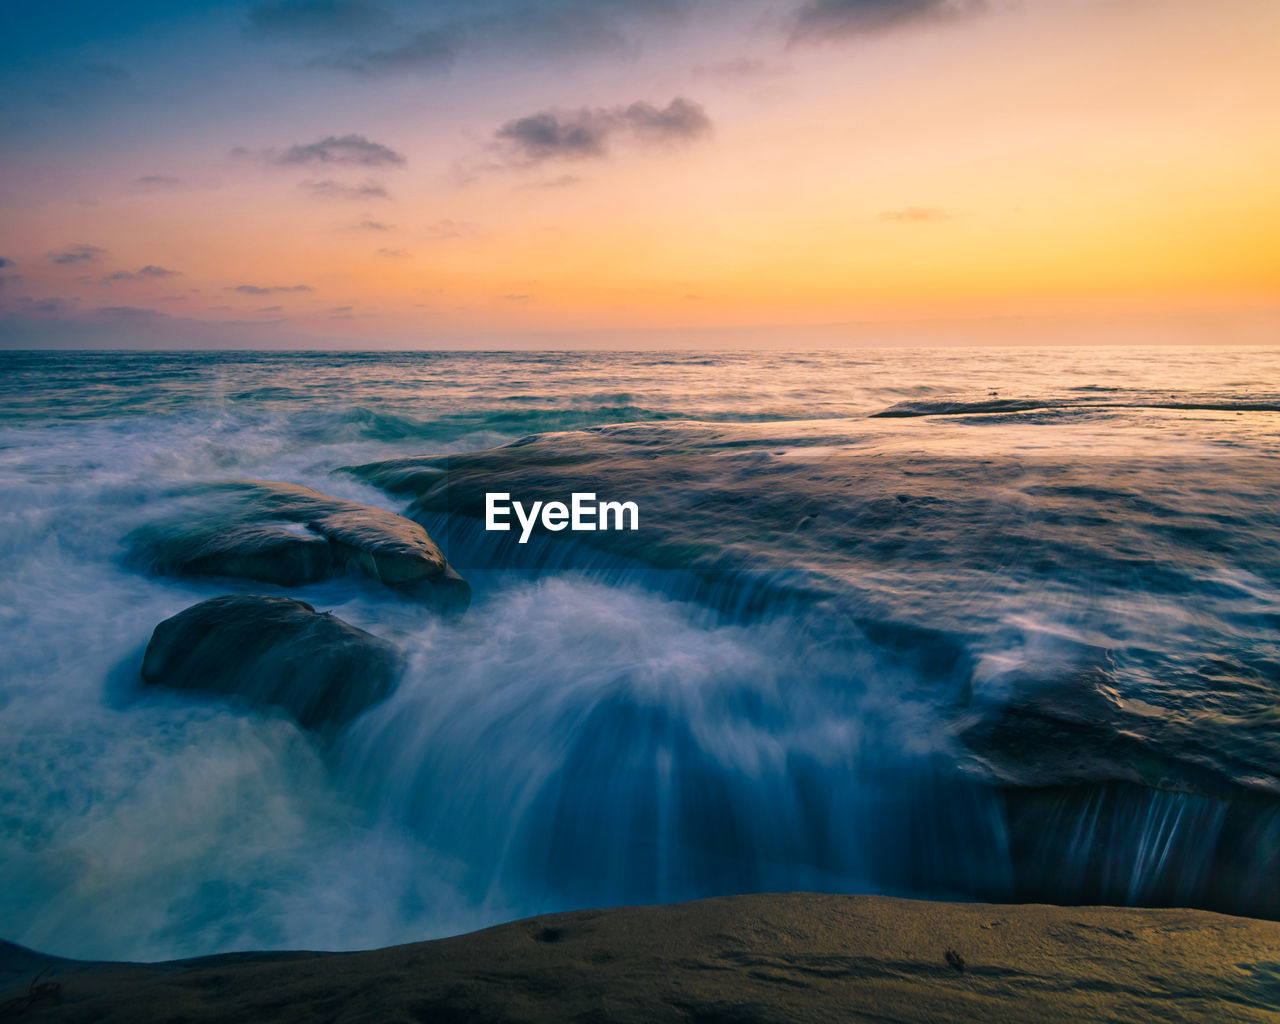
290,535
273,652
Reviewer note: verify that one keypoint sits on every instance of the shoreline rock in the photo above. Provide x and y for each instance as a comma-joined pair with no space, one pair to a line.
273,652
761,959
291,535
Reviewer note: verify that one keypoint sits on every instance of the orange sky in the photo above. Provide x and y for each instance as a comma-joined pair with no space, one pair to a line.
1052,160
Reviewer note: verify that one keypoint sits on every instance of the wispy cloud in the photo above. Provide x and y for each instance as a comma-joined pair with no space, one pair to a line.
369,224
150,271
442,230
427,50
329,189
431,36
271,289
128,312
559,181
5,264
442,31
28,305
737,69
158,182
75,255
585,133
351,150
818,20
317,18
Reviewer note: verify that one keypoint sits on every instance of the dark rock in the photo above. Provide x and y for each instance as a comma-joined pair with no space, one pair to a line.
290,535
273,652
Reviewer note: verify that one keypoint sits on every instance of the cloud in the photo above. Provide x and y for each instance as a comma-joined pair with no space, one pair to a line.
158,182
141,274
368,224
44,307
736,69
127,312
317,18
915,215
442,230
819,20
6,263
447,29
560,181
546,135
269,309
55,324
329,189
576,27
75,255
428,50
680,119
350,150
585,133
394,254
272,289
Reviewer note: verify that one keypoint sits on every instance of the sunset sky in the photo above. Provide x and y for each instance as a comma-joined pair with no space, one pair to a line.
372,173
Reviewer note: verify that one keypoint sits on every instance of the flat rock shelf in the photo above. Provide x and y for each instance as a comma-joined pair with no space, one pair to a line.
744,959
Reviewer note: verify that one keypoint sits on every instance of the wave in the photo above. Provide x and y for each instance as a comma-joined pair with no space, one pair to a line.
996,406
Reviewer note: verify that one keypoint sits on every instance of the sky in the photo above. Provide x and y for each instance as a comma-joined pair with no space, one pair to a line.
614,173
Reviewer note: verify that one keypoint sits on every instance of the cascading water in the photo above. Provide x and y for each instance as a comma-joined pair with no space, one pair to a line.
595,744
978,670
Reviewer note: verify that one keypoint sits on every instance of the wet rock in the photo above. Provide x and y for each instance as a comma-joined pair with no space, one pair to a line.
291,535
273,652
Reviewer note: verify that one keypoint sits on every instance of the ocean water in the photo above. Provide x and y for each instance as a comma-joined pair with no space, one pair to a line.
973,624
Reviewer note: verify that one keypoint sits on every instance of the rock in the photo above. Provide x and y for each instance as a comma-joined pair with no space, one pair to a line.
273,652
290,535
757,958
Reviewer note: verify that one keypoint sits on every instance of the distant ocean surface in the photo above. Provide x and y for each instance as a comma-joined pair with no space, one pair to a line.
980,624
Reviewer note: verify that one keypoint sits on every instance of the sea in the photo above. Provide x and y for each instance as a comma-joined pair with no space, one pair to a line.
971,624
